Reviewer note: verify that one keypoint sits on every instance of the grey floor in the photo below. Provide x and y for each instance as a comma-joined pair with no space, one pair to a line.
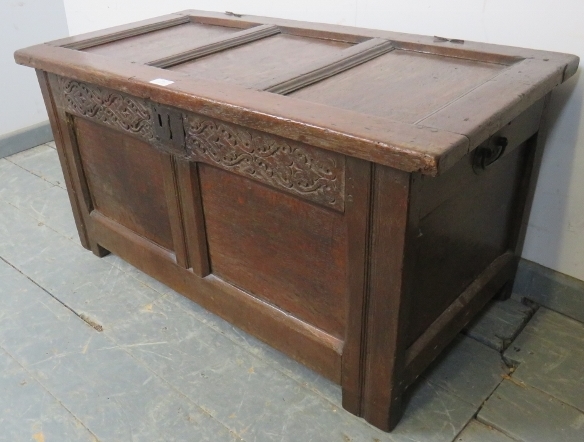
93,349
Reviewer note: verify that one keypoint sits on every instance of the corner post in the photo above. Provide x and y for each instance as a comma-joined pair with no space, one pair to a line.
382,221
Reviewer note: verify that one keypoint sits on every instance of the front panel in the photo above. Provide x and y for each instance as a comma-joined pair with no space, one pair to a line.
286,251
125,177
256,221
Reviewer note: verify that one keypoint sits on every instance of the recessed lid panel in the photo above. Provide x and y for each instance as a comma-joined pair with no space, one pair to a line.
257,62
401,85
161,43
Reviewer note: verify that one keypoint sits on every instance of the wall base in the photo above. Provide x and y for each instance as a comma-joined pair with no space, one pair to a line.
26,138
550,289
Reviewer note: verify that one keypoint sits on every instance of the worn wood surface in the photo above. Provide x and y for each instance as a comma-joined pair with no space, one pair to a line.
530,80
525,413
68,169
548,354
125,178
283,250
417,85
300,340
204,47
390,263
248,64
36,242
358,224
157,44
462,232
326,67
476,431
499,323
274,180
192,217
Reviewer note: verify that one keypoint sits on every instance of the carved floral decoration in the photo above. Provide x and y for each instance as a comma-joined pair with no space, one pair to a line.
113,109
300,169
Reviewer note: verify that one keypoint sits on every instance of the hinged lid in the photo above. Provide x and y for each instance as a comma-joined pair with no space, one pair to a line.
410,102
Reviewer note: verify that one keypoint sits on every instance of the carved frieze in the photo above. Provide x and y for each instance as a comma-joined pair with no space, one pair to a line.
312,173
294,167
111,108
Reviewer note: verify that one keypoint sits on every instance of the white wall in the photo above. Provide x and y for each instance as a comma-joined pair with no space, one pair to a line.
24,23
555,237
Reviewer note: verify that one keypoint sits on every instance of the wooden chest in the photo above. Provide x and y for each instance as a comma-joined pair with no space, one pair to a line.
352,197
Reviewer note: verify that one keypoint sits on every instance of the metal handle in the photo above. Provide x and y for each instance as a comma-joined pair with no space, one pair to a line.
486,155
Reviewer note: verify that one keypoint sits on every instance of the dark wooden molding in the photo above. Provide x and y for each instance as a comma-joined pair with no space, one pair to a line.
391,258
219,44
296,168
172,193
358,220
130,32
193,217
330,66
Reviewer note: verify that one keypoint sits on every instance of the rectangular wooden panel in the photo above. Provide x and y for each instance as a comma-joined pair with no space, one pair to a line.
459,238
261,60
279,248
401,85
301,341
161,43
125,179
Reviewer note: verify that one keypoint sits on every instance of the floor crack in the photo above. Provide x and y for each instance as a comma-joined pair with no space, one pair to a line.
81,316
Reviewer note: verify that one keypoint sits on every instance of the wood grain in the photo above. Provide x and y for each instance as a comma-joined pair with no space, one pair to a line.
68,169
261,60
281,249
199,49
296,168
401,85
388,300
161,43
400,145
192,217
460,237
95,38
301,341
424,43
429,345
327,67
125,179
357,223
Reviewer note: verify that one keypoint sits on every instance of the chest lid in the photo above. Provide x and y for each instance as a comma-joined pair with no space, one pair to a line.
411,102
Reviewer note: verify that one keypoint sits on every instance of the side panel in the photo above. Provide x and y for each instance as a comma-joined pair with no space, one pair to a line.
458,239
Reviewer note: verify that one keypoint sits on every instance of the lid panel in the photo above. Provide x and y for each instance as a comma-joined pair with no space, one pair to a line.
260,61
401,85
161,43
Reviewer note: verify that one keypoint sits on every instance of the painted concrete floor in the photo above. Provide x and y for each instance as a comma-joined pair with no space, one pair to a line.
94,350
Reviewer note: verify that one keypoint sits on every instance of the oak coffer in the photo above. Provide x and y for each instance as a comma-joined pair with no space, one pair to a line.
352,197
